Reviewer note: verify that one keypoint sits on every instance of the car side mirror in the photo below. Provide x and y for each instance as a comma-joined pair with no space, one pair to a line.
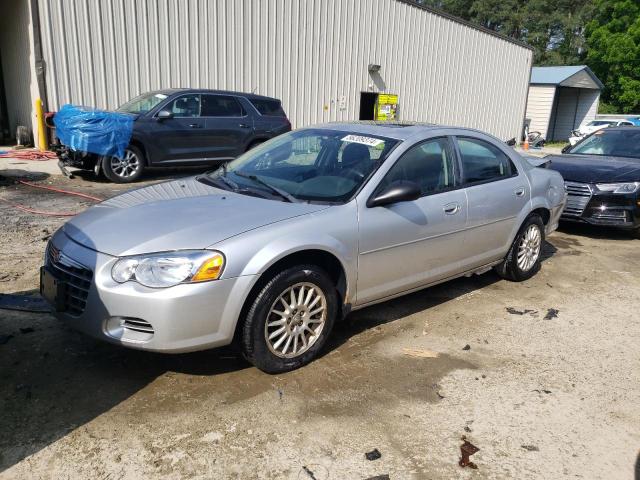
164,115
566,148
399,191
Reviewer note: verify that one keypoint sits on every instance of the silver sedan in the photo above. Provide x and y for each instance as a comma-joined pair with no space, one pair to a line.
275,247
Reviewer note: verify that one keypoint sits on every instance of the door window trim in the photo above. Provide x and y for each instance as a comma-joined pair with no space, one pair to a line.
454,160
463,183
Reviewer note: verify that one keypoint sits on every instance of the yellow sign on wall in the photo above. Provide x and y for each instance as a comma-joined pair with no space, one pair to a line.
387,106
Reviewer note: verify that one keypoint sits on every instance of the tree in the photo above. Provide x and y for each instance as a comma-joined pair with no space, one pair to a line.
613,40
554,28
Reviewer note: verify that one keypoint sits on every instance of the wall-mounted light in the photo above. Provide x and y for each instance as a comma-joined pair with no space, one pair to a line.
373,68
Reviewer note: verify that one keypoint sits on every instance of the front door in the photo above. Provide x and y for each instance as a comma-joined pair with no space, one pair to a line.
183,137
497,194
409,244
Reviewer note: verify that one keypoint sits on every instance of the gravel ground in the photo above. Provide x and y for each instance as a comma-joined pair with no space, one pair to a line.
542,376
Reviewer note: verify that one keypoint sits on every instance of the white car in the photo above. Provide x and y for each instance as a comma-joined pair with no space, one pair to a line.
593,126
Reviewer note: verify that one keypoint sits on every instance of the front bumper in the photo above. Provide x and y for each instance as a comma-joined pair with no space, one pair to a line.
183,318
606,209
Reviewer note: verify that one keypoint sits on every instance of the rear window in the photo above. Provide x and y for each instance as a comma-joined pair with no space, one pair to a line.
269,108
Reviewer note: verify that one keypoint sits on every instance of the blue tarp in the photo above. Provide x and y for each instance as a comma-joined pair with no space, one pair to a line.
94,131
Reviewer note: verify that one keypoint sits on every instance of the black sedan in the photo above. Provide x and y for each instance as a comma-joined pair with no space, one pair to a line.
183,127
602,178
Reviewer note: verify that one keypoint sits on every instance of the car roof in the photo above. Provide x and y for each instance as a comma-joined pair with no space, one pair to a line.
403,130
220,92
619,128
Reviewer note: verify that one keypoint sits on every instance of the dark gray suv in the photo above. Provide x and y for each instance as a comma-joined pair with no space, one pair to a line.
178,127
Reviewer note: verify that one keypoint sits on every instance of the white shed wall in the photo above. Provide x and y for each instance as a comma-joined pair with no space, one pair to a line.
539,106
308,53
587,106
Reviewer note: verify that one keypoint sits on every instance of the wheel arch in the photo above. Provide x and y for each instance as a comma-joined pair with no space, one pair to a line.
324,259
139,144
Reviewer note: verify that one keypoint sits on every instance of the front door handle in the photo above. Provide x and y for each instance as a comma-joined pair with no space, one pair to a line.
244,125
519,191
451,208
195,125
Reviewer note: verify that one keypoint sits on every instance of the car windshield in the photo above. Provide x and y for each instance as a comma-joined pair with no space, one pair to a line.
616,143
313,165
598,123
142,103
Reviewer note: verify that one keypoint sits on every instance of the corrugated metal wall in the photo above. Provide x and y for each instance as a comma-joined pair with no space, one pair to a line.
15,22
539,106
309,53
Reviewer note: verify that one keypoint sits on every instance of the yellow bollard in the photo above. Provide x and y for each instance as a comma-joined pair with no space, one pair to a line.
42,134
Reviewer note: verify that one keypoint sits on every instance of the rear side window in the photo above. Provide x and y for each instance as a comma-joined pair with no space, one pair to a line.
268,108
483,162
221,106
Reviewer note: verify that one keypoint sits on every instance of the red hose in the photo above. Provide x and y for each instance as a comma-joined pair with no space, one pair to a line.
66,192
39,212
50,214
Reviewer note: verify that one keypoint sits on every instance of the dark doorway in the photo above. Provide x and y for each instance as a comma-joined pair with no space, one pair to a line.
4,119
368,105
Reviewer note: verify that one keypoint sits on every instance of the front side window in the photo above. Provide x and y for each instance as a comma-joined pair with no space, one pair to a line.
143,103
185,106
221,106
483,162
430,164
315,165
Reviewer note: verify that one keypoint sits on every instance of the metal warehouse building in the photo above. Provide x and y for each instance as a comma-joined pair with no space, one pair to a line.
326,59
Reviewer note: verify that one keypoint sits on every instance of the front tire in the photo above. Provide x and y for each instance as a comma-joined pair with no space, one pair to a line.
290,319
524,257
124,170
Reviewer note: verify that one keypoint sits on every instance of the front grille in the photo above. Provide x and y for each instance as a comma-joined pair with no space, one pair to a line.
578,196
137,325
77,279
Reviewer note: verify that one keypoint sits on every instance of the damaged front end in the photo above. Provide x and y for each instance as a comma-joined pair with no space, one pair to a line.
68,157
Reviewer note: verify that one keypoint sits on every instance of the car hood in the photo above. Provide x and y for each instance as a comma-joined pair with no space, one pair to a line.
595,169
176,215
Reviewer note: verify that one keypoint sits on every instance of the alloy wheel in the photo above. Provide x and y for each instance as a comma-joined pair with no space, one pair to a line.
127,166
296,320
529,248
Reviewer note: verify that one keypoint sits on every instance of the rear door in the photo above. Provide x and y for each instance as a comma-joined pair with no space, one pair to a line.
228,127
497,193
181,138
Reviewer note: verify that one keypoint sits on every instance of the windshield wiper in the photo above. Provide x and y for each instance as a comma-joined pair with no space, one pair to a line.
283,194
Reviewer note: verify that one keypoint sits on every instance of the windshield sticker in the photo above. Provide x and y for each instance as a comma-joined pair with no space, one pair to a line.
368,141
160,96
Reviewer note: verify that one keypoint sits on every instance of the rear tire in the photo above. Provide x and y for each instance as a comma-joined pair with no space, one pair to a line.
524,257
125,170
290,319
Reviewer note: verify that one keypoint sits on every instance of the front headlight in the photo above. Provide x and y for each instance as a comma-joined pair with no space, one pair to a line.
170,268
628,187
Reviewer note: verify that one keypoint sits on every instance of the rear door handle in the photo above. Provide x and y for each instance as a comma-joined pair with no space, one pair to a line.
519,191
451,208
244,125
195,125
